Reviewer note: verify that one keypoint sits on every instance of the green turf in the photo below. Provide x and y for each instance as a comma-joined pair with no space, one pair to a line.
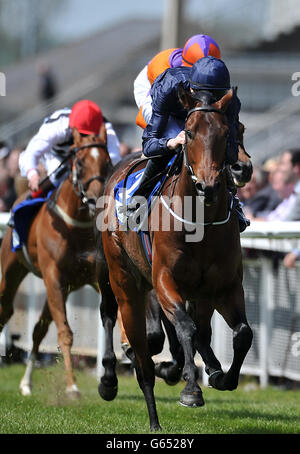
47,411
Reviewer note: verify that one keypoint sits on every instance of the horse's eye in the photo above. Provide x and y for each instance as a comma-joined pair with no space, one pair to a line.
189,134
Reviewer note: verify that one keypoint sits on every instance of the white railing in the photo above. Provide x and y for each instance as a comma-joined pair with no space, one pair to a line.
272,296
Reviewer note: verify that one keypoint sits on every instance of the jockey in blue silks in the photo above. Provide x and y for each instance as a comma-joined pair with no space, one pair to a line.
165,131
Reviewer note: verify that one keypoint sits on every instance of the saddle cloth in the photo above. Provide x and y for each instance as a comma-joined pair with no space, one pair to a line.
23,214
123,194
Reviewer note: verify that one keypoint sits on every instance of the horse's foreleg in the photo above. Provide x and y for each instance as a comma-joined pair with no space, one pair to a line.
57,295
233,311
108,387
39,332
171,371
174,308
201,312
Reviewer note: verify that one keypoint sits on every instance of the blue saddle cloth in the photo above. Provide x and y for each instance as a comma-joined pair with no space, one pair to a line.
23,214
123,195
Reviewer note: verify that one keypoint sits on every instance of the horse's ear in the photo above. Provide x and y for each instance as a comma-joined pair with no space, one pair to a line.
224,102
185,97
102,133
76,136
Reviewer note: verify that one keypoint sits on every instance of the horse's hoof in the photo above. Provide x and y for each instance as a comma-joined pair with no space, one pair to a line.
169,372
25,389
73,392
172,383
191,399
215,380
107,392
155,427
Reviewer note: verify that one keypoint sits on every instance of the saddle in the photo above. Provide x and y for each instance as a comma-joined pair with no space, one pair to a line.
125,190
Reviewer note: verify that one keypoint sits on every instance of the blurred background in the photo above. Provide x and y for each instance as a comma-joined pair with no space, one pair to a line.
54,52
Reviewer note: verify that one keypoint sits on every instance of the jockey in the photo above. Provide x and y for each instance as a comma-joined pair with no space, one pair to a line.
196,47
54,138
165,130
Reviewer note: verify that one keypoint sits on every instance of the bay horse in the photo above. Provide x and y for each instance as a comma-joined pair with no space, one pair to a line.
202,275
61,250
156,322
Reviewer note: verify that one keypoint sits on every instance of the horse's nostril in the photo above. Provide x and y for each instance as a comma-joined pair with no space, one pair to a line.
236,167
200,186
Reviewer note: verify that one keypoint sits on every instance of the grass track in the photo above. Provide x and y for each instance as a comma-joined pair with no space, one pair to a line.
47,411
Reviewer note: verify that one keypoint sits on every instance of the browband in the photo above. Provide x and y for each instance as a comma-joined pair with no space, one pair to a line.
205,109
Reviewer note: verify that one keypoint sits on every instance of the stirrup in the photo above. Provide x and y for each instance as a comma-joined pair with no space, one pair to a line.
132,206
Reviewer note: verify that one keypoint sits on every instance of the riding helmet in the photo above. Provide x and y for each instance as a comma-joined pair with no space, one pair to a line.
86,116
199,46
209,73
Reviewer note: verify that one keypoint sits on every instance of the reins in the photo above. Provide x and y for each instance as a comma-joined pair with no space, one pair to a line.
81,193
186,158
194,177
77,183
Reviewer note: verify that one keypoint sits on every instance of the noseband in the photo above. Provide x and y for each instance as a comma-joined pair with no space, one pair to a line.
77,183
187,164
190,170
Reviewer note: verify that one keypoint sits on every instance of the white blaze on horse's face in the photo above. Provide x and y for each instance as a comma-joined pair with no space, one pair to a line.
95,153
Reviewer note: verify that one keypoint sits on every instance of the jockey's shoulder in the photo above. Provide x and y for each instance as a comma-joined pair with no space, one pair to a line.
173,75
58,114
169,80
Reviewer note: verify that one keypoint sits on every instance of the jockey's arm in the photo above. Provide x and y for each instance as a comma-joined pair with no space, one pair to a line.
49,135
141,87
153,142
141,91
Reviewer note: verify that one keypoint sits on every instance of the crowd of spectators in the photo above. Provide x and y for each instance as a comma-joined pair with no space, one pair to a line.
11,184
273,194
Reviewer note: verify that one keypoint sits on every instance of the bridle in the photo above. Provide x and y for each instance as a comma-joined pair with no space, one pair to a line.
186,160
190,171
79,187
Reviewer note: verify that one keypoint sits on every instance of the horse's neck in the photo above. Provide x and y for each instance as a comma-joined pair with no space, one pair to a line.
70,203
218,210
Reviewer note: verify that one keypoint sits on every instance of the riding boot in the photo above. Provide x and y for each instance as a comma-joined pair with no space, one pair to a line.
153,168
243,221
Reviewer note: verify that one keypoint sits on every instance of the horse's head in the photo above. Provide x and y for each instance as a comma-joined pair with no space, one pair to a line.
242,169
90,168
206,139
